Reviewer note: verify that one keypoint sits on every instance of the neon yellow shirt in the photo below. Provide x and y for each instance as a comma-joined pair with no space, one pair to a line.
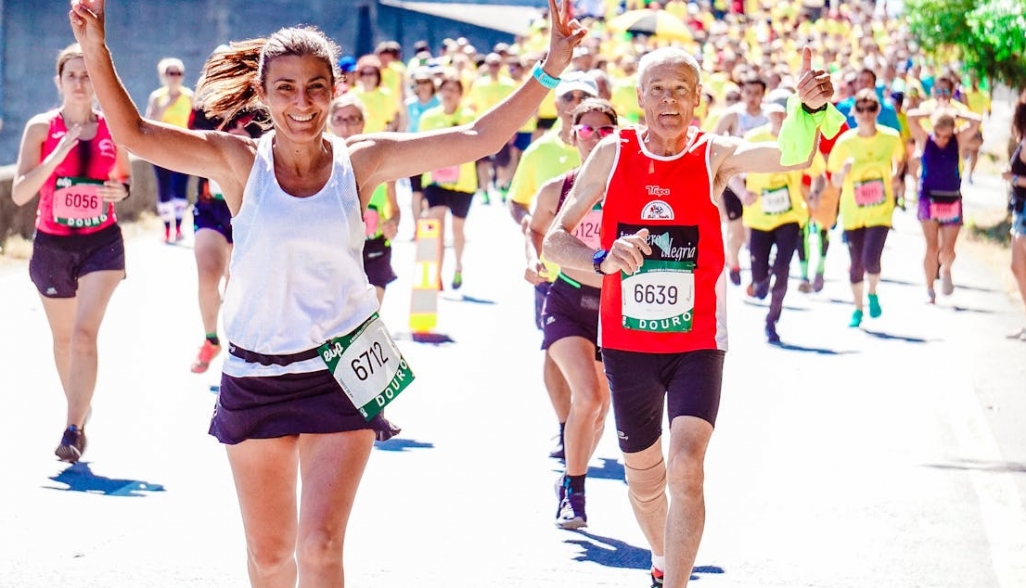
380,105
178,112
624,97
462,178
780,199
867,197
978,101
545,159
486,92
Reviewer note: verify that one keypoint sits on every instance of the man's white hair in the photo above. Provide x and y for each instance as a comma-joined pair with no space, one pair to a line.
668,56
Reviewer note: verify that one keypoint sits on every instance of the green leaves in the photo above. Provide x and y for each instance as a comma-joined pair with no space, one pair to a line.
990,35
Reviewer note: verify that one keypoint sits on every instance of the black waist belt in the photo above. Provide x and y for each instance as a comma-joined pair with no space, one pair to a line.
262,359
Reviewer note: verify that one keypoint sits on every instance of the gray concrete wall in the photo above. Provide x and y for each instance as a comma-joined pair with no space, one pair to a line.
141,32
20,220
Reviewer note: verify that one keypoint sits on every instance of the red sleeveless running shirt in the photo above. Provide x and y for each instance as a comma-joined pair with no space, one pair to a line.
677,300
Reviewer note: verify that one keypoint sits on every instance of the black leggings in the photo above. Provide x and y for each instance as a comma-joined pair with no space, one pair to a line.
786,238
865,246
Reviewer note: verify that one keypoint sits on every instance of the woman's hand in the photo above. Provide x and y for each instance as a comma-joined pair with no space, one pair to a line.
565,33
67,142
87,23
114,190
815,89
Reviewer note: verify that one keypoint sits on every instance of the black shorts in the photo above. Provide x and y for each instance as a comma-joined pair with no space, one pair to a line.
457,202
545,123
638,382
541,291
733,204
59,261
571,311
212,214
415,183
377,262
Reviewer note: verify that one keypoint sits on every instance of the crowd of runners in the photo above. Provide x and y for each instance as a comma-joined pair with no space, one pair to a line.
646,177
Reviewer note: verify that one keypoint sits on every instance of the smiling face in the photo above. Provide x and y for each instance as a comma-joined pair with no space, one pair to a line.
347,121
669,94
297,91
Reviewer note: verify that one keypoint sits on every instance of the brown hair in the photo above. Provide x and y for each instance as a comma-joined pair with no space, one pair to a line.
594,105
451,78
231,77
1019,120
67,54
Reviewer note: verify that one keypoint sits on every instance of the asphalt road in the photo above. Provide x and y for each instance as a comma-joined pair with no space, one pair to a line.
891,455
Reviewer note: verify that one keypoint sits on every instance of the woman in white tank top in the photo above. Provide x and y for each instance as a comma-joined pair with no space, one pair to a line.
297,198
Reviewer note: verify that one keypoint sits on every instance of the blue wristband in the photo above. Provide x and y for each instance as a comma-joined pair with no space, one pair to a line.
543,78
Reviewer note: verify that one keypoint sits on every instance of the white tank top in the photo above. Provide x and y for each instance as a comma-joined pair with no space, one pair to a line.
297,275
747,122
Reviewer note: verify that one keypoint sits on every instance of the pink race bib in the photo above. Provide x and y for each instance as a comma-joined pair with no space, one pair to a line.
77,203
869,193
588,230
446,175
946,212
371,220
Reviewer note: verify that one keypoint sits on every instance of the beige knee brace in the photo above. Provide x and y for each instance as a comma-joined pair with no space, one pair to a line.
647,488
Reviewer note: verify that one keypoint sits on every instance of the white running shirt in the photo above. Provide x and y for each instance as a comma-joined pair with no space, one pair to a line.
297,275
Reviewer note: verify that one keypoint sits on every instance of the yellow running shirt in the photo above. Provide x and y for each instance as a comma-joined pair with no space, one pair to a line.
780,199
867,196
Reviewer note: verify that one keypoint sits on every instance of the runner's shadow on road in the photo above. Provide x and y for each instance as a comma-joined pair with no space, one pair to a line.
611,469
765,304
890,337
613,553
401,445
79,477
429,338
957,308
473,300
804,349
1003,467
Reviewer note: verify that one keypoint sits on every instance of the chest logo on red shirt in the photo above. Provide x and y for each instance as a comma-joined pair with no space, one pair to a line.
657,210
107,148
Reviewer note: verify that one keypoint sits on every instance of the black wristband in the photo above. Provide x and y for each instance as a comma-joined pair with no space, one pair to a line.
806,108
128,190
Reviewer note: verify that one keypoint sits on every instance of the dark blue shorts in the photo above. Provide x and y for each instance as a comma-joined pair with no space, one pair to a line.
541,291
59,261
377,262
522,140
212,214
689,382
571,311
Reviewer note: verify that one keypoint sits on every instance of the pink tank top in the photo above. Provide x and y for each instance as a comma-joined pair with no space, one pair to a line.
69,201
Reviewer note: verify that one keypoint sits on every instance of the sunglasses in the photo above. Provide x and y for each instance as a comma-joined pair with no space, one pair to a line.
867,107
173,73
369,72
348,120
587,131
944,92
574,97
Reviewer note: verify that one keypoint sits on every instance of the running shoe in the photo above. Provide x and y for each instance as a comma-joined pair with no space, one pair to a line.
947,286
457,280
805,287
931,296
571,512
771,334
657,577
206,354
874,306
817,283
72,446
735,276
856,318
179,236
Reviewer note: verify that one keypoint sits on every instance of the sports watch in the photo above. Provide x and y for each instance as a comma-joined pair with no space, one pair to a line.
597,259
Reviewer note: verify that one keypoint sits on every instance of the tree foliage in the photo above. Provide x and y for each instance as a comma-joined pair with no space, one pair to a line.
990,35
